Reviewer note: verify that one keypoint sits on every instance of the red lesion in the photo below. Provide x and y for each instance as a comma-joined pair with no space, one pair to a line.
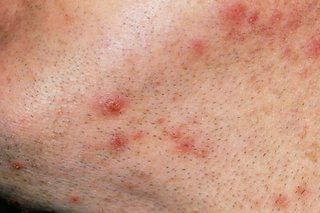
313,47
113,105
118,142
198,47
74,199
16,165
253,17
235,13
201,153
276,17
185,144
160,121
238,19
115,142
302,190
138,135
281,201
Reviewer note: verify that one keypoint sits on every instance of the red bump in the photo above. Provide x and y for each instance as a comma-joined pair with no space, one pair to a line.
16,165
302,191
175,134
313,47
74,199
118,142
160,120
202,153
281,201
253,18
276,17
186,144
235,13
138,135
183,144
112,105
198,47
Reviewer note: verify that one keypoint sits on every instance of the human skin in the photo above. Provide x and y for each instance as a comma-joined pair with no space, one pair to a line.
160,106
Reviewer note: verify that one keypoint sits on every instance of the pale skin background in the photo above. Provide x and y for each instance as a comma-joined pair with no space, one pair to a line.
160,106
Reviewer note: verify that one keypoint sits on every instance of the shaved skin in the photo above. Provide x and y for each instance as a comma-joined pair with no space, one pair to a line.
160,106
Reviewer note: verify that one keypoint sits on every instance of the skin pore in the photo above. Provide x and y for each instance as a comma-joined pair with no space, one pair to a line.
160,106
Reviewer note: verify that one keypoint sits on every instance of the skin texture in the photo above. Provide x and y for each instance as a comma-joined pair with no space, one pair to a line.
160,106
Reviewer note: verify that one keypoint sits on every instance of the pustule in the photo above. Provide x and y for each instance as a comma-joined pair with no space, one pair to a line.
111,105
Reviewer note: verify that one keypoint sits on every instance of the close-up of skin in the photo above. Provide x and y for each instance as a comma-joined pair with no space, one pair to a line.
160,106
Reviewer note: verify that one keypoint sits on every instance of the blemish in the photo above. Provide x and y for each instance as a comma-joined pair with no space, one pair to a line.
112,105
158,83
198,47
302,191
294,20
74,199
182,143
118,142
313,152
175,134
313,47
174,98
281,201
16,165
253,18
235,13
69,19
140,175
202,153
276,17
130,186
160,120
138,135
185,144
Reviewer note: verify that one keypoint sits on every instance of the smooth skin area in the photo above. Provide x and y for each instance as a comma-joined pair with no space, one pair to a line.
160,106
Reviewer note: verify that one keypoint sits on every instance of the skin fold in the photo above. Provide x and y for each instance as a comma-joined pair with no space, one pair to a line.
160,106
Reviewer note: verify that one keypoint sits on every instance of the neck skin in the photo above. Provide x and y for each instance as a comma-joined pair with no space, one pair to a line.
160,106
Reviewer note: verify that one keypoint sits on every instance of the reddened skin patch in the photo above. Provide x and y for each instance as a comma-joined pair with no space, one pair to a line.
17,165
272,23
198,47
281,201
313,47
118,142
234,13
111,105
185,144
74,199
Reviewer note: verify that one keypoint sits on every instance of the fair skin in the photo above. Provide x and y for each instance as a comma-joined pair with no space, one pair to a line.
160,106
